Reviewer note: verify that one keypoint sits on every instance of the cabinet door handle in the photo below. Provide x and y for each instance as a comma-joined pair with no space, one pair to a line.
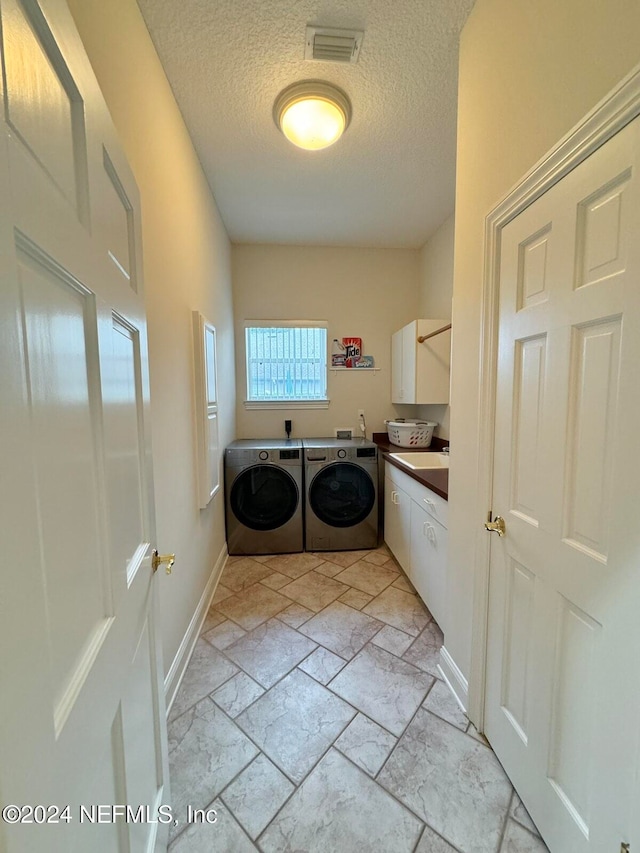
430,504
394,498
431,533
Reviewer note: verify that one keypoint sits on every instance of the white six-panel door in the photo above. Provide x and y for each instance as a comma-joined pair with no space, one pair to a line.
562,709
81,711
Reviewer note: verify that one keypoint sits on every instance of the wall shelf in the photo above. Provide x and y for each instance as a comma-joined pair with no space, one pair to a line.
354,369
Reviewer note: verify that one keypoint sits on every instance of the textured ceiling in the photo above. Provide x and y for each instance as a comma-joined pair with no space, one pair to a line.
388,182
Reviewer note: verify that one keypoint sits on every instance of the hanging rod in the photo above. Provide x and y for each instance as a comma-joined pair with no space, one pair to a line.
424,338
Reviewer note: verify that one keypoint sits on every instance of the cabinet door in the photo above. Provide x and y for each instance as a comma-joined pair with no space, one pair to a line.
397,522
429,560
397,394
409,344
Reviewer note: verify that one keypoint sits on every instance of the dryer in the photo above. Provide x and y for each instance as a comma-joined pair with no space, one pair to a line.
264,496
341,494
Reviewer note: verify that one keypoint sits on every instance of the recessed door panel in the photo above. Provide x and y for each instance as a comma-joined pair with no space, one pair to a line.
532,269
517,644
43,104
117,218
574,681
528,404
124,448
141,737
601,244
61,353
594,377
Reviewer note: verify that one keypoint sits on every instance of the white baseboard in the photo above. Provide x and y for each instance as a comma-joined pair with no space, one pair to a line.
456,681
183,655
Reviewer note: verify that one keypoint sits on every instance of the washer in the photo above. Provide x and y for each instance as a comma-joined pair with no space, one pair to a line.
341,486
264,496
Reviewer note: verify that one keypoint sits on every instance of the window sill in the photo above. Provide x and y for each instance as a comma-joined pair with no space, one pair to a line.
285,404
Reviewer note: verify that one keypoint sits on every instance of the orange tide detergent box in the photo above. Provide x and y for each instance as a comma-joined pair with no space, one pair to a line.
352,350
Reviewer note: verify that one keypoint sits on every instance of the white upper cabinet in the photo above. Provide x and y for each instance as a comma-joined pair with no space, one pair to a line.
420,372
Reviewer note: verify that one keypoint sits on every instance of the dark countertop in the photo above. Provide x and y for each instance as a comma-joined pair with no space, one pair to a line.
436,479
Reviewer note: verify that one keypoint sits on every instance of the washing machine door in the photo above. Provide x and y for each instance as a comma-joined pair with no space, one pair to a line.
264,497
342,494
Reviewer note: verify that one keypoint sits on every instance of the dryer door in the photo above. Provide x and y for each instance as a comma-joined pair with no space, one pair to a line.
264,497
342,494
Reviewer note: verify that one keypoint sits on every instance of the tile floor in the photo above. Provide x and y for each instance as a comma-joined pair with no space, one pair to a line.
312,718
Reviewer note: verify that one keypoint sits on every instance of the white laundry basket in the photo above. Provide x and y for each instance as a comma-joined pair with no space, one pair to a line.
410,433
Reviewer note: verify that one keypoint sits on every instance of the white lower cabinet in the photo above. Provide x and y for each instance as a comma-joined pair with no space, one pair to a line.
415,531
428,560
397,521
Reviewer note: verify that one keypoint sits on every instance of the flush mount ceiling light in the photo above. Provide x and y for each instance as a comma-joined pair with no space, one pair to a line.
312,114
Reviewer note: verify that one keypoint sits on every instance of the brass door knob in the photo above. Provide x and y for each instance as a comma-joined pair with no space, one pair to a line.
497,526
159,559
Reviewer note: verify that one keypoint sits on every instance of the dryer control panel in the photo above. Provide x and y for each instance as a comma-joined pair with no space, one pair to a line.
354,453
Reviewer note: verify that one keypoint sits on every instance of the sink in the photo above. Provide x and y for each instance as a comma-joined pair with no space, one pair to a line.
421,461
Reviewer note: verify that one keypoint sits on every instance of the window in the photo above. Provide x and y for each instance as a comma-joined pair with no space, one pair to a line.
286,362
204,336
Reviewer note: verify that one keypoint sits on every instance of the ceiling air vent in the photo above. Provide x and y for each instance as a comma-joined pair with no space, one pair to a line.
331,45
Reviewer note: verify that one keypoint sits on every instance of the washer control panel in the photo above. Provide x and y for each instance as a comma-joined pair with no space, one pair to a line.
240,453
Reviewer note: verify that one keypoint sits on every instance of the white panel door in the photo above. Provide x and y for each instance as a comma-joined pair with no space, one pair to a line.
82,709
564,635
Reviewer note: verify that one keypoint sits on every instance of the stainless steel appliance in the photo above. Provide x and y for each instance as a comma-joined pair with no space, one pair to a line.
341,488
264,496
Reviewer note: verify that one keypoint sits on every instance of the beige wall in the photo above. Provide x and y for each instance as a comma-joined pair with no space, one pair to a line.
187,266
436,272
369,293
528,73
436,293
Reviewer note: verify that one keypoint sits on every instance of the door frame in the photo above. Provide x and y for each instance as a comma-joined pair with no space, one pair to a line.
607,118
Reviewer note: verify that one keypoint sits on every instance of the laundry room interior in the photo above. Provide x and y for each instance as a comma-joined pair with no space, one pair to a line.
369,293
348,435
